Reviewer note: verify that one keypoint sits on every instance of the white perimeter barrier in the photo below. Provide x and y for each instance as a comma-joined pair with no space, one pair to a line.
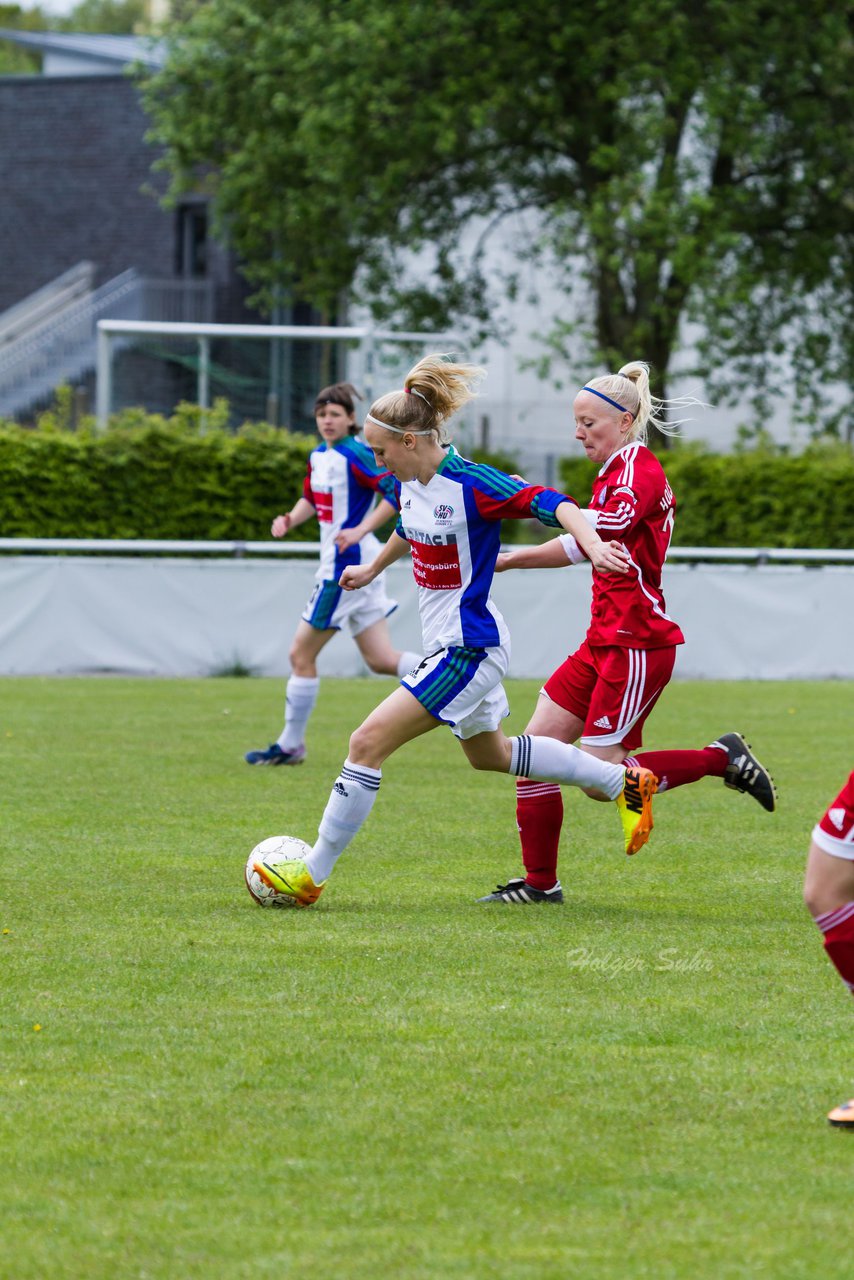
170,616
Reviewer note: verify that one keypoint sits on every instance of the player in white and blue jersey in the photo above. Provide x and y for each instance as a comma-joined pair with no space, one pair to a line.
341,484
450,518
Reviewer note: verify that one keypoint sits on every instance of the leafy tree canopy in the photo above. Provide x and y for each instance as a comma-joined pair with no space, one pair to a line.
682,162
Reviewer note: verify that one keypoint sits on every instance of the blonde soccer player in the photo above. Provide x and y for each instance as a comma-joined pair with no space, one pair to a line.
450,521
604,692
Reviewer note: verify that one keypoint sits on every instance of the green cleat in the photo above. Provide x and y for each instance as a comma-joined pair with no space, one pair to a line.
635,805
291,881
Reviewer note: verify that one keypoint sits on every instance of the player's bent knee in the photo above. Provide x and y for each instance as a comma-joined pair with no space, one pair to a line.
301,664
360,742
368,746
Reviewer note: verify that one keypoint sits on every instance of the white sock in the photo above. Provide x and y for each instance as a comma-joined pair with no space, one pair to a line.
350,801
407,662
548,760
300,697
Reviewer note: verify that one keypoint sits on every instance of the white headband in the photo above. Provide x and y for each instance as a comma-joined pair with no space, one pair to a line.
401,431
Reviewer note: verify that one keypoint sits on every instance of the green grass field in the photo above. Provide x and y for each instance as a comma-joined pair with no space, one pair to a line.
399,1082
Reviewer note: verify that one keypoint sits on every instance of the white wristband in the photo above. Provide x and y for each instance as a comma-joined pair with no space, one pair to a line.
574,554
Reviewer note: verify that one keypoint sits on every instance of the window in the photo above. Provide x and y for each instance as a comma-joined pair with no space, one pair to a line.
192,241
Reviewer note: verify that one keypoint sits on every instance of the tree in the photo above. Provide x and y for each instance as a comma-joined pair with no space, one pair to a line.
107,17
684,161
14,59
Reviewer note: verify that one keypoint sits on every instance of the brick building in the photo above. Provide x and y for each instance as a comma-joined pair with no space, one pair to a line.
85,237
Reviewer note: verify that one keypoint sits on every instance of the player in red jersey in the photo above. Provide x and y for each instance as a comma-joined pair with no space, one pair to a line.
604,691
829,895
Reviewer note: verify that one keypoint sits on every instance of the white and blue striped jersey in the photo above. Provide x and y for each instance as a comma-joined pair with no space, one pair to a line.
340,483
453,525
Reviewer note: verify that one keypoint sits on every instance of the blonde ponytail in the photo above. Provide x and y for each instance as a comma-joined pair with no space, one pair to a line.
629,390
433,390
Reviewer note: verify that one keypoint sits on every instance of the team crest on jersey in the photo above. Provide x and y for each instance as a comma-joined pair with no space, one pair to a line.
443,513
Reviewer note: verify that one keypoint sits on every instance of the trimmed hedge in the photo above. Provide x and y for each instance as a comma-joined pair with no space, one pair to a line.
188,477
185,477
149,477
751,499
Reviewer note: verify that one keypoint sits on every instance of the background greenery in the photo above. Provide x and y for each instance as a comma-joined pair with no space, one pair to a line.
662,163
754,498
151,477
188,477
106,17
399,1082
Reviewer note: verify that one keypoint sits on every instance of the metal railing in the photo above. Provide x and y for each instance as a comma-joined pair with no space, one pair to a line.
364,344
762,555
63,347
237,547
46,302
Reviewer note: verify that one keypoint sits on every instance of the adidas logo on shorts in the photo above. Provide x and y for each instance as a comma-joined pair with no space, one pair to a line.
603,723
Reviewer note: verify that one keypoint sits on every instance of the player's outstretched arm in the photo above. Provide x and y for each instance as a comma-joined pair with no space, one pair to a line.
548,555
301,511
360,575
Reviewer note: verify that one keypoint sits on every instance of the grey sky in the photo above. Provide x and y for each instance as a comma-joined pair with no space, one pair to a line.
59,8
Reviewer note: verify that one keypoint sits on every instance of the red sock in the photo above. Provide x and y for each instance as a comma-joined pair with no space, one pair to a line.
539,816
838,929
675,768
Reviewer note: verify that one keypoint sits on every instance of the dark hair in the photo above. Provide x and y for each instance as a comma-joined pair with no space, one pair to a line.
340,393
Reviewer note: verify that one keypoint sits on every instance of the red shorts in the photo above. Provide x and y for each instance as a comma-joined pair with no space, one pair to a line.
835,833
612,689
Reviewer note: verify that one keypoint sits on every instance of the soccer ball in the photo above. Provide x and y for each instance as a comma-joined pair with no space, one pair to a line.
274,849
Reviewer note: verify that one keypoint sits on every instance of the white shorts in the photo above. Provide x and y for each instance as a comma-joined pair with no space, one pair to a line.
330,607
462,688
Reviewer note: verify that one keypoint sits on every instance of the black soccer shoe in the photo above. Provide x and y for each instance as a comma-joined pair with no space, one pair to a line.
522,894
745,773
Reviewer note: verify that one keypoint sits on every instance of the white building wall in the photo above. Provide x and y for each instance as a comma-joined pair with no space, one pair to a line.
531,417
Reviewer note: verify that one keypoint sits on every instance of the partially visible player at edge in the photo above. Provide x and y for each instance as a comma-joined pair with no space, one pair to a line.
829,895
340,486
450,517
604,691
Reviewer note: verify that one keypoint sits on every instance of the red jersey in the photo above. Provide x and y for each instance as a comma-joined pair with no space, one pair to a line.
634,505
